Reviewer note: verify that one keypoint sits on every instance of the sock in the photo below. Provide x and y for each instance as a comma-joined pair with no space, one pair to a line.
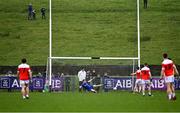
27,95
149,93
143,93
169,96
173,94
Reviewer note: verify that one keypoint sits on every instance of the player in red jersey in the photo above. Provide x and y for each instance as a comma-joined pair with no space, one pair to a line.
146,79
167,73
24,74
137,87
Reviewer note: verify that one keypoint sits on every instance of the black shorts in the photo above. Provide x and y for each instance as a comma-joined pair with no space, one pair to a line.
80,83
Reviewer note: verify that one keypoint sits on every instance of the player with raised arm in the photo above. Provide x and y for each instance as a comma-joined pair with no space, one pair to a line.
25,75
167,73
146,79
138,86
86,85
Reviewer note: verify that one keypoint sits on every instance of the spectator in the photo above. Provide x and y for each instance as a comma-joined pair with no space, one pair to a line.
39,75
106,75
9,74
81,77
34,14
97,79
30,9
94,73
43,13
44,74
88,75
145,4
67,83
59,75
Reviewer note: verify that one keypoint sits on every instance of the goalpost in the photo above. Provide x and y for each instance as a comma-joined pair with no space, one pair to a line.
50,58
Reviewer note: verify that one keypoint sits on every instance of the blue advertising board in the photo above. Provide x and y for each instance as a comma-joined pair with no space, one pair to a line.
57,83
37,83
125,83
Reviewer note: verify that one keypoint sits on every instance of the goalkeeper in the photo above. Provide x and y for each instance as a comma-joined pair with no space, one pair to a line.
86,85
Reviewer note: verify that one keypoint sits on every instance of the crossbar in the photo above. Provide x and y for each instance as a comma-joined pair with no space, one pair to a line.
101,58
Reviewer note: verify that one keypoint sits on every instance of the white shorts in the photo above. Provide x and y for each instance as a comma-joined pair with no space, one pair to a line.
138,81
146,82
23,82
169,79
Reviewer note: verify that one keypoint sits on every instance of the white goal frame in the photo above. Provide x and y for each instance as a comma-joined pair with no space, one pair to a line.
88,58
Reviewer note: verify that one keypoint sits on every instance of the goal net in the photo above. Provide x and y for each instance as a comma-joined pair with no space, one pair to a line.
101,68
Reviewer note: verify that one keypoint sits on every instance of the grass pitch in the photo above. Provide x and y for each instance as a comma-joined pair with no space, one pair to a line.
120,101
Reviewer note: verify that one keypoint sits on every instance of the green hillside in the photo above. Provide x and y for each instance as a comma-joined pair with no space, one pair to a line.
89,28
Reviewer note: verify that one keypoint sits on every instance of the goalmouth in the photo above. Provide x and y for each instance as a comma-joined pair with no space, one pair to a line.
50,58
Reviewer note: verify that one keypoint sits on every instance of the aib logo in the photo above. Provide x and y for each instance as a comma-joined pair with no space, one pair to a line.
5,83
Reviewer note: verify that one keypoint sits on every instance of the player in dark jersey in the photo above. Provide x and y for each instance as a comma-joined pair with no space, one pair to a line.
86,85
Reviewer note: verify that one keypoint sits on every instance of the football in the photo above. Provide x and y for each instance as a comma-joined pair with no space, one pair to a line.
115,88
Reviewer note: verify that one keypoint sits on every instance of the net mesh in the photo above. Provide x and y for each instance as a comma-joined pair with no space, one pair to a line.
102,67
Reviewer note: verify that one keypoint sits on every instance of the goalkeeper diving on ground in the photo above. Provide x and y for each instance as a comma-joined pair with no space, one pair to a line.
87,86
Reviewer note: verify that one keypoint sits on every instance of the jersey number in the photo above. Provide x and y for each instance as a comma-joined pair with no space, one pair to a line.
169,67
23,70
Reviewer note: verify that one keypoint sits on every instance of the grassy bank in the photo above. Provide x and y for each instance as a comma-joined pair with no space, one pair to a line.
89,28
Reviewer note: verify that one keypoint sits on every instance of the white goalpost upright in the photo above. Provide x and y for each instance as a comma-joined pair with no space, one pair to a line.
138,34
89,58
50,42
